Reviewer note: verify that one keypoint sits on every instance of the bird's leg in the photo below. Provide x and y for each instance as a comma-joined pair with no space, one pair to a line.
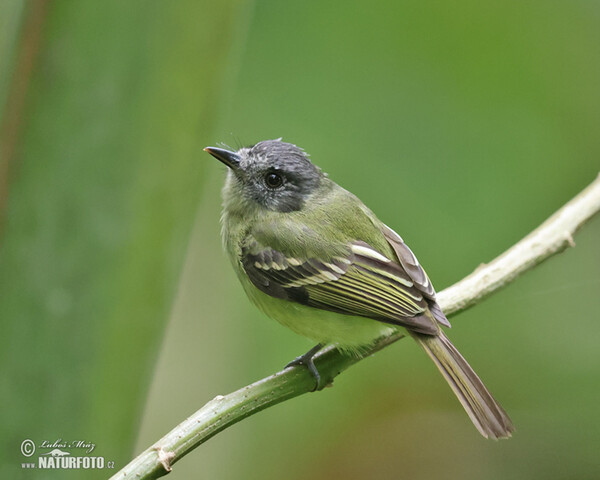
307,359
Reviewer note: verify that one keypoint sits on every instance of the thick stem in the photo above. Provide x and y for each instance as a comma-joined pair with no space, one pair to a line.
553,236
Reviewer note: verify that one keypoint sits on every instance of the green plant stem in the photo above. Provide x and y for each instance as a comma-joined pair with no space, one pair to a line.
550,238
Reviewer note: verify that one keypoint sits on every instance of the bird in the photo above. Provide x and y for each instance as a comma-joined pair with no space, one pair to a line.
312,256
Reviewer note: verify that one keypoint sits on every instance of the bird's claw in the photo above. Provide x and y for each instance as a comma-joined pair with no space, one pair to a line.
307,360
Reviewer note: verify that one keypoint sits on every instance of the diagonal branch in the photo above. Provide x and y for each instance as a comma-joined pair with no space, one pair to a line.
553,236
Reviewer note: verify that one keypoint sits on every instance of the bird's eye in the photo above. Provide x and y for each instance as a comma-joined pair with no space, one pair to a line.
273,180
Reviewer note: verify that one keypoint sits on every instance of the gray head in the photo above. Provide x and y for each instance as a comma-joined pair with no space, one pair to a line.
273,174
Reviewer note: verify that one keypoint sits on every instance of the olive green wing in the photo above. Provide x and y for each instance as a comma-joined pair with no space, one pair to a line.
361,282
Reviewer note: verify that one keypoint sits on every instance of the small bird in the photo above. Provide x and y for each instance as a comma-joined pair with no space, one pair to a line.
313,257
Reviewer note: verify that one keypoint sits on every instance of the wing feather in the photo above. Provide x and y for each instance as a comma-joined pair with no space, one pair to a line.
417,274
362,283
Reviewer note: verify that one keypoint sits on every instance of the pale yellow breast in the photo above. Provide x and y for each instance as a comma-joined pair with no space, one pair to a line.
348,332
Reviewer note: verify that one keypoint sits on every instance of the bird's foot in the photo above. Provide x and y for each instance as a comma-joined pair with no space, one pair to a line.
307,360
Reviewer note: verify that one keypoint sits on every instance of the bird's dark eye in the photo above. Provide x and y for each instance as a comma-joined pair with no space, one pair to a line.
273,180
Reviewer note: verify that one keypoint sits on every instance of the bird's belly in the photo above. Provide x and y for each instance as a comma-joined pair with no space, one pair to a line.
349,333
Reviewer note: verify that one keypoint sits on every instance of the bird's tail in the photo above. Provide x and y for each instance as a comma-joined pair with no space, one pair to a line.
486,414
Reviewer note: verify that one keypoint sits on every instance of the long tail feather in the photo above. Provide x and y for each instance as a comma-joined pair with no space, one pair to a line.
486,414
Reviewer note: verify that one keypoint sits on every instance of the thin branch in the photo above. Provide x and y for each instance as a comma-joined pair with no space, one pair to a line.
553,236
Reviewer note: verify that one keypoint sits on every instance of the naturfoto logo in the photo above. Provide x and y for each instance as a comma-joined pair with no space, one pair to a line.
62,454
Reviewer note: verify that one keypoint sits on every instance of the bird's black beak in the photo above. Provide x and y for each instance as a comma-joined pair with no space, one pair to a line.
231,159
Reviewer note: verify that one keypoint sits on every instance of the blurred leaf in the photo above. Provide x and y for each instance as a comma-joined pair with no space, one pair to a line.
103,188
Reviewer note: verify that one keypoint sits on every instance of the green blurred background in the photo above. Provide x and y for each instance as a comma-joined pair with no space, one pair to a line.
463,125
